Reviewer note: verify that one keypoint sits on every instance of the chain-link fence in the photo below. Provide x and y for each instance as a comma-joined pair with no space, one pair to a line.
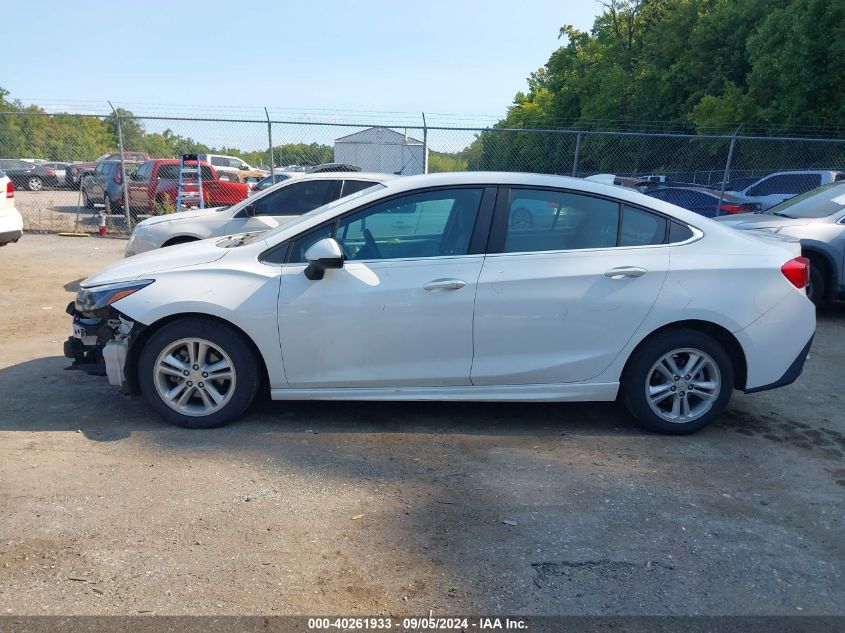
68,168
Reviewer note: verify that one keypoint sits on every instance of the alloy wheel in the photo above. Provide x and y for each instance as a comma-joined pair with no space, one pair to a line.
683,385
194,377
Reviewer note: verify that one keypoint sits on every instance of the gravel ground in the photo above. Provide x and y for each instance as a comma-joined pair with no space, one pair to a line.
365,508
60,210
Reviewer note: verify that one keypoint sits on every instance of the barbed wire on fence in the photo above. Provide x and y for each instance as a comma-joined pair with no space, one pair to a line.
73,142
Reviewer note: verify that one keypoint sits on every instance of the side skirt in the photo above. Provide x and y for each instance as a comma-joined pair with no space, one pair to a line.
570,392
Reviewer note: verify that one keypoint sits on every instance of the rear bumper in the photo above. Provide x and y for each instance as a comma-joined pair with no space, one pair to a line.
10,236
791,374
777,343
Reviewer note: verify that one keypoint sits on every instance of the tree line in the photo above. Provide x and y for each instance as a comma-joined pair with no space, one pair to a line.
28,132
698,66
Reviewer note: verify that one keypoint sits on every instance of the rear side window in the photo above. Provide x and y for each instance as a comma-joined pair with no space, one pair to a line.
171,172
351,186
641,228
787,184
540,220
679,232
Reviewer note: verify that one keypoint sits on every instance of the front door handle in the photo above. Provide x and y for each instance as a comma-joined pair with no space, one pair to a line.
625,271
445,284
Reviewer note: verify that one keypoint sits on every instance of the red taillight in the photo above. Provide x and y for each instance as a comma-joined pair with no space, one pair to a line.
50,171
731,208
797,271
10,190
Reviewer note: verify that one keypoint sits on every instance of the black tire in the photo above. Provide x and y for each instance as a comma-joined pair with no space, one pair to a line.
108,204
818,289
637,376
86,201
242,354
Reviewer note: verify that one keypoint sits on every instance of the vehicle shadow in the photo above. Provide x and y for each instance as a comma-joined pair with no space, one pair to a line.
79,402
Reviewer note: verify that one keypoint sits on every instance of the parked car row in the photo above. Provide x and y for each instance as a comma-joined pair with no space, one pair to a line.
153,186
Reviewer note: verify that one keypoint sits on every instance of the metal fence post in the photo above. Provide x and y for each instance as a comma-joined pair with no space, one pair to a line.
425,145
577,155
727,173
123,174
270,141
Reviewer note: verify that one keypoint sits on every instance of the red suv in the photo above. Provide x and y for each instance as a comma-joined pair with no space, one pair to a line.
154,186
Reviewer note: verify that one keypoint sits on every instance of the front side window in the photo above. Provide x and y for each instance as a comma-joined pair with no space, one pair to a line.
297,198
427,224
540,220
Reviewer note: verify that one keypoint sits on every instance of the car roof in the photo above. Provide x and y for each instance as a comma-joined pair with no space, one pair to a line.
334,175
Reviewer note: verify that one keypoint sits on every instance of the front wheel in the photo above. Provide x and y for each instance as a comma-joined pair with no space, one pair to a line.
678,382
198,373
34,183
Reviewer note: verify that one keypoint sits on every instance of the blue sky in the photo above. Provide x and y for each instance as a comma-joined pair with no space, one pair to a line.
438,56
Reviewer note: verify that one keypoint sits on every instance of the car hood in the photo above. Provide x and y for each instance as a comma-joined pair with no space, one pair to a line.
174,217
759,221
159,260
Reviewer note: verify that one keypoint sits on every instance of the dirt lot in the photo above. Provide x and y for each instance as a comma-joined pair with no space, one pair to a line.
400,508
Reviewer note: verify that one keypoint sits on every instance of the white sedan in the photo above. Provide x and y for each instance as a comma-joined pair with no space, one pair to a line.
424,290
262,211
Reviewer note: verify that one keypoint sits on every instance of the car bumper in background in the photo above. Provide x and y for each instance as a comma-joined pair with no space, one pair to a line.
10,236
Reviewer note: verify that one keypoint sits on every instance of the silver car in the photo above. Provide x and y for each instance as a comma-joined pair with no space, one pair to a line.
817,218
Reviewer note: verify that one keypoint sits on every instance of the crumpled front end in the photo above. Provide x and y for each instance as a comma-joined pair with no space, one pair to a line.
100,343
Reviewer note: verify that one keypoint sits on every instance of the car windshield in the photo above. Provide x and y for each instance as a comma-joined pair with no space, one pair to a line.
310,214
816,203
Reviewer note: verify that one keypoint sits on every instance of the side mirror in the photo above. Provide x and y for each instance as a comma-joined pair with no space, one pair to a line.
323,255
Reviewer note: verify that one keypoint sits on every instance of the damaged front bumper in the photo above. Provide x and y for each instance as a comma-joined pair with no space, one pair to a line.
100,344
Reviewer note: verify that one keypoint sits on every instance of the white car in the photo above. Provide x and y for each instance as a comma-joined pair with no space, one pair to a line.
11,223
262,211
424,290
783,185
231,164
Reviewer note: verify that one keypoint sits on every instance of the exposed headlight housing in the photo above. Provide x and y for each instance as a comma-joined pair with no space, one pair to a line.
99,297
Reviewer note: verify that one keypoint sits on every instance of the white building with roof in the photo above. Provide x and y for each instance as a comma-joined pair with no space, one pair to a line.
382,150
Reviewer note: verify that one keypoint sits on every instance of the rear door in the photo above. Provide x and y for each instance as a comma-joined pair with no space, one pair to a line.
556,303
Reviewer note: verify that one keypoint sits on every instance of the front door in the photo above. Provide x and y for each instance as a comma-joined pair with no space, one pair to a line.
399,313
562,298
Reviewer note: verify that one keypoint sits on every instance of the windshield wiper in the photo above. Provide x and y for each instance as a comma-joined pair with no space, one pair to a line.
781,215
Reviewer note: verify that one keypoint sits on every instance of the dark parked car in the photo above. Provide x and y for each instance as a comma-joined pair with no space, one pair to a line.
268,181
105,185
703,201
76,172
738,184
26,175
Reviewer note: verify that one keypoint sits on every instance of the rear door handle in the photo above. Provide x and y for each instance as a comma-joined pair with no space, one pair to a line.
445,284
625,271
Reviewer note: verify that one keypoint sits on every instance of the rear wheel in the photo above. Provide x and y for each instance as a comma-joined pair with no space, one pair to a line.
86,201
34,183
198,373
521,218
678,382
108,204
